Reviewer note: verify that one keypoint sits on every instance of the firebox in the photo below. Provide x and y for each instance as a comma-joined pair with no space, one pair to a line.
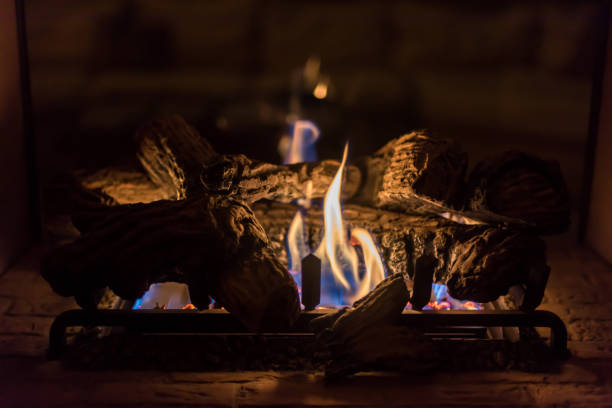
333,186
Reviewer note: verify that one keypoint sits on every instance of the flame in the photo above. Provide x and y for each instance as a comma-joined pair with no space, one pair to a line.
441,300
337,247
301,146
312,70
296,242
342,279
320,91
375,271
305,203
171,295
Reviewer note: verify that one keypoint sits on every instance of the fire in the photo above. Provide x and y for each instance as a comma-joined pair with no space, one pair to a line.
301,144
441,300
336,247
296,241
320,91
342,279
375,271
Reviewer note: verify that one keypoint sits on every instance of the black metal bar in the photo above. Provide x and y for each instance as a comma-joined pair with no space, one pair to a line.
424,268
311,282
28,122
221,322
602,27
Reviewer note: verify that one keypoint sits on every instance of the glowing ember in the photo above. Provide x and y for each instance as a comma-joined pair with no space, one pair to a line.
344,277
441,300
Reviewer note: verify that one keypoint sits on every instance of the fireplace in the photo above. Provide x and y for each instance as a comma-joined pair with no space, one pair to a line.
258,239
317,198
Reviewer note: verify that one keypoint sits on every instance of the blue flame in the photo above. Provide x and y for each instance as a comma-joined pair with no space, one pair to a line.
304,135
439,292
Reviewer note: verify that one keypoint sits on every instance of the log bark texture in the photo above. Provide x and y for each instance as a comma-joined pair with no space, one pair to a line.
182,163
412,173
370,334
173,153
477,262
124,186
215,245
248,180
523,187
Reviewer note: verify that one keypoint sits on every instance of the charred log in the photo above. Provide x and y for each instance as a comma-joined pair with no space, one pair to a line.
370,334
214,245
521,186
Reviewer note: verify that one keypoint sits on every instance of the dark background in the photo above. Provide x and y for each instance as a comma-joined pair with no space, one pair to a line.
16,222
493,75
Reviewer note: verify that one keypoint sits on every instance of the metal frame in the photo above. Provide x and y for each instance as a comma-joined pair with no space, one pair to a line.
601,39
28,122
221,322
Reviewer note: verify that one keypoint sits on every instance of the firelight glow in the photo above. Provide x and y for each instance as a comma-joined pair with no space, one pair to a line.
343,281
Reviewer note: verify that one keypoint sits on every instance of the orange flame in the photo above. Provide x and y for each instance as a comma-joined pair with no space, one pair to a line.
375,271
320,90
337,254
295,242
335,243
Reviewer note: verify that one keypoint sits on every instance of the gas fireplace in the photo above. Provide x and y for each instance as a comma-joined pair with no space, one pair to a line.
325,188
350,252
